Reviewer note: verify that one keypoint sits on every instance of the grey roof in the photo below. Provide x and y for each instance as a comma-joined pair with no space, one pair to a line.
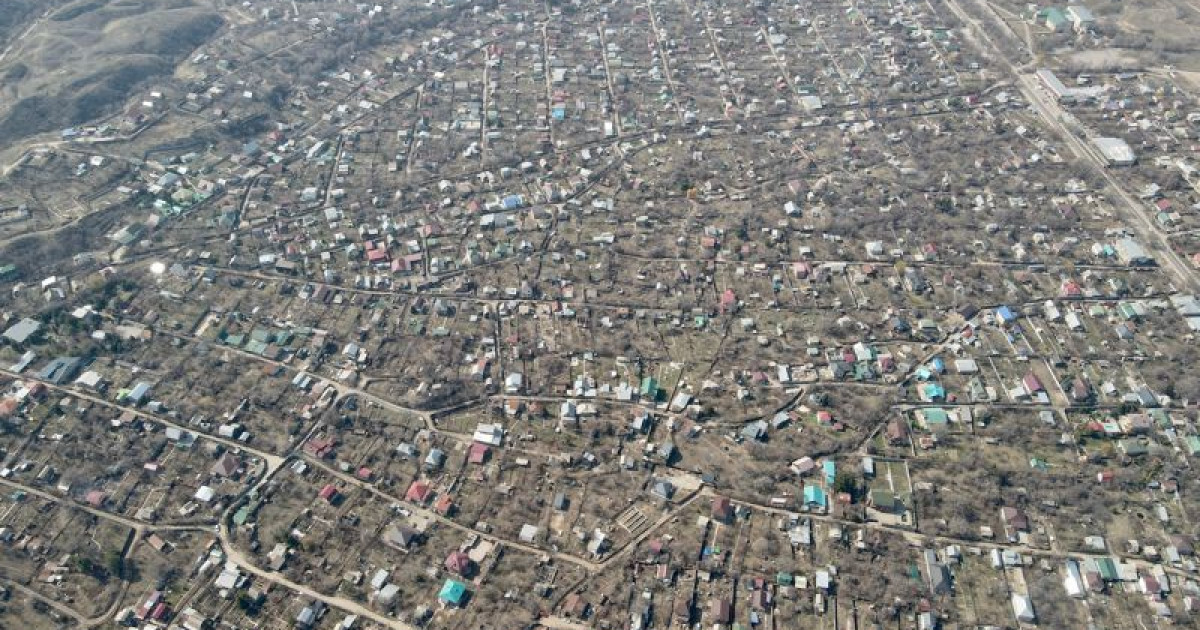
60,369
21,331
756,430
139,392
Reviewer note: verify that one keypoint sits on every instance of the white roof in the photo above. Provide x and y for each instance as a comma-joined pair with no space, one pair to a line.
1022,608
490,434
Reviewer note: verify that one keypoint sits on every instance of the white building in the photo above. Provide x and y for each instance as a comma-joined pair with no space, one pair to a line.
490,434
1115,151
1023,608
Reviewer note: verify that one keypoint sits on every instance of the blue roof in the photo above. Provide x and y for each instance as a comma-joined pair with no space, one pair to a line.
938,365
453,592
1005,314
814,495
139,392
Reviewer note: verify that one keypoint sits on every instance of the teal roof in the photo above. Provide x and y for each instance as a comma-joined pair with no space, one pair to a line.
814,496
453,592
1056,17
1193,445
830,468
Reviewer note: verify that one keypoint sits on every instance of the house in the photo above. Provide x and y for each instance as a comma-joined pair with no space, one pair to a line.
401,537
514,383
1014,521
814,496
599,543
1080,390
22,331
1032,384
329,493
137,394
459,563
478,453
309,615
489,434
682,610
720,612
756,430
226,465
938,574
1005,316
419,492
435,459
1130,252
1073,581
722,510
453,593
1055,19
575,606
1023,608
663,489
59,370
320,447
528,533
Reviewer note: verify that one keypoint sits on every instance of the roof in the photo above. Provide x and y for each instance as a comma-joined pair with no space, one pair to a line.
418,492
721,611
226,465
21,331
453,592
1114,149
458,562
478,453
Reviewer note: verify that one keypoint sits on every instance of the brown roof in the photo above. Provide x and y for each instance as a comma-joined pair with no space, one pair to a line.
721,611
